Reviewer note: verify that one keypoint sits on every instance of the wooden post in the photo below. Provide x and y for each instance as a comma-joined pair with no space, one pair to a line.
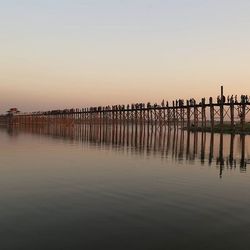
148,116
221,107
203,113
127,114
140,114
232,114
243,115
168,115
151,116
182,116
173,110
188,115
177,114
155,115
211,113
164,115
196,115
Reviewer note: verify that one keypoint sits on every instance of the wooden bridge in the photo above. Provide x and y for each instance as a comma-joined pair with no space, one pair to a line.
222,113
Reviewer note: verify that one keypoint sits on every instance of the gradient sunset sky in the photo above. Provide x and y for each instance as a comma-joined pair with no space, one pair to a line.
61,54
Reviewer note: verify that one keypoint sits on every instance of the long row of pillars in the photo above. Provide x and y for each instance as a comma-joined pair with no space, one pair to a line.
189,115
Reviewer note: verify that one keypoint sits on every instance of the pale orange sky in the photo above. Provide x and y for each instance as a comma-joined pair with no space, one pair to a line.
59,54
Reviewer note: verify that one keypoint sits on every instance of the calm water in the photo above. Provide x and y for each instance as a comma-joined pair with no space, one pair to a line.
123,188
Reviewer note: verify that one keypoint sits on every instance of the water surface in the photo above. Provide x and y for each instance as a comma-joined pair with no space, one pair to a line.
123,187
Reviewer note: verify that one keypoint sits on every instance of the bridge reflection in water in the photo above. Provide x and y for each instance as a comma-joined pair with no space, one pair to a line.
224,151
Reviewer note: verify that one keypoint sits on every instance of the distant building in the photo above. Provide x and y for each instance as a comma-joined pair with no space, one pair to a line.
13,111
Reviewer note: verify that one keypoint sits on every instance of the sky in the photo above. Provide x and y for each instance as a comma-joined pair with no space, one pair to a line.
57,54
